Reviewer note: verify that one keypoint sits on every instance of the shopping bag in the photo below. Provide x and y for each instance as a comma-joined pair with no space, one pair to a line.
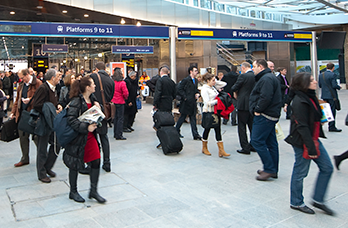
279,132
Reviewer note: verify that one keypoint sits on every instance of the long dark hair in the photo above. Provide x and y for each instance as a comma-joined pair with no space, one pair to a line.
79,86
117,76
301,81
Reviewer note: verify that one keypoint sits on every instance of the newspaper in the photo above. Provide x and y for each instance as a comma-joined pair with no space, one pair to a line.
92,115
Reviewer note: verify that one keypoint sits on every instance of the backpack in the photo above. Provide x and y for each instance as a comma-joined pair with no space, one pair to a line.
64,132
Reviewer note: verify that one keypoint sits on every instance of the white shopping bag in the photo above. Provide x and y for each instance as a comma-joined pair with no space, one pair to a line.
146,91
325,107
279,132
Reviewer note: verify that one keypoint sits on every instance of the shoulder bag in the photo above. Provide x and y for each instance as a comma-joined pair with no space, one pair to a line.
109,107
336,100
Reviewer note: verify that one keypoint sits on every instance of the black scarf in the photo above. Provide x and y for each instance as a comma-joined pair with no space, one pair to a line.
310,94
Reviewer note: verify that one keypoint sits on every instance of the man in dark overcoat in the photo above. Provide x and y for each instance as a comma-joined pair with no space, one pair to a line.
109,88
242,90
188,91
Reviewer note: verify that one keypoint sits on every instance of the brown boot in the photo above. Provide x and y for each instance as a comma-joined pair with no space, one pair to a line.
222,152
205,148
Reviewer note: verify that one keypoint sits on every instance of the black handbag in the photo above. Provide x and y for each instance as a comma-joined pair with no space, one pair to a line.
210,120
9,130
336,100
28,120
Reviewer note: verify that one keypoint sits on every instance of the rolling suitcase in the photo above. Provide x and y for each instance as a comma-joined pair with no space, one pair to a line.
170,139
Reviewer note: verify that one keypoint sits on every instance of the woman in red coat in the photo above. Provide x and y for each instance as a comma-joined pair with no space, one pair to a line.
120,95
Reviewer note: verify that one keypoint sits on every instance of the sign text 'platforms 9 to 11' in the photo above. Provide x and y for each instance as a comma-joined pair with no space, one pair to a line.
239,34
82,30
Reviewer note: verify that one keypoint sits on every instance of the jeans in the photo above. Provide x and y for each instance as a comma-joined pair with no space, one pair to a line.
264,140
300,171
118,121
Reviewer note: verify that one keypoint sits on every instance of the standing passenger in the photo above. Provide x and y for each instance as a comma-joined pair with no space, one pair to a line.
242,89
231,78
25,93
47,93
120,95
130,109
265,102
209,94
165,92
109,88
84,148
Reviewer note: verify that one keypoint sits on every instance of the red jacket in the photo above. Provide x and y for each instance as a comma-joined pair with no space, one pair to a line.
121,93
221,110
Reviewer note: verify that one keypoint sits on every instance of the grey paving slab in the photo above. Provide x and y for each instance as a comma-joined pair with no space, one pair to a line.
149,189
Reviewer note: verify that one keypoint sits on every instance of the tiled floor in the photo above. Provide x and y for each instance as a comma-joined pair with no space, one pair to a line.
149,189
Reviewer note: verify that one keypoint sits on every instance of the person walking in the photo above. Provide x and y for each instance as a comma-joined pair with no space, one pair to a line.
265,103
242,90
120,95
25,93
209,94
339,158
305,130
188,90
329,86
108,90
84,148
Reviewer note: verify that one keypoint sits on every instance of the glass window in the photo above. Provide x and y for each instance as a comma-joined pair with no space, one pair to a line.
252,13
206,4
195,3
243,12
231,9
219,7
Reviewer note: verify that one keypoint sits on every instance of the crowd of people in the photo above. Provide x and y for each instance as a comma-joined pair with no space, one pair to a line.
257,96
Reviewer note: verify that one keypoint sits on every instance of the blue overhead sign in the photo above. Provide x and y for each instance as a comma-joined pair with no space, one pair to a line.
132,49
60,48
239,34
82,30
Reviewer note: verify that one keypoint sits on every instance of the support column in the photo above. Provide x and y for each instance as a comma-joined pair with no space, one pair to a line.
172,51
314,58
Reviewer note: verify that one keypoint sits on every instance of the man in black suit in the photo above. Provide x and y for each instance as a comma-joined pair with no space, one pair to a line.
241,90
188,90
109,88
284,88
165,91
231,79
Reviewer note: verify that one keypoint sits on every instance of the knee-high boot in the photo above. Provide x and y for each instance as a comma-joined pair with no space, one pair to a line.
222,152
205,147
94,178
340,158
73,187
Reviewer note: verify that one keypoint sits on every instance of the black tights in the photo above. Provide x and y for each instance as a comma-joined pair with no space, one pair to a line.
95,164
217,133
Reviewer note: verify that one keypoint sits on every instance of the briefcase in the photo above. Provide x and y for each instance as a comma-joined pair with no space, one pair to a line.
9,130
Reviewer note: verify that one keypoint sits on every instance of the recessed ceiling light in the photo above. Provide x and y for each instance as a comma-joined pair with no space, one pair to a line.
86,15
123,21
64,11
12,12
39,7
138,23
